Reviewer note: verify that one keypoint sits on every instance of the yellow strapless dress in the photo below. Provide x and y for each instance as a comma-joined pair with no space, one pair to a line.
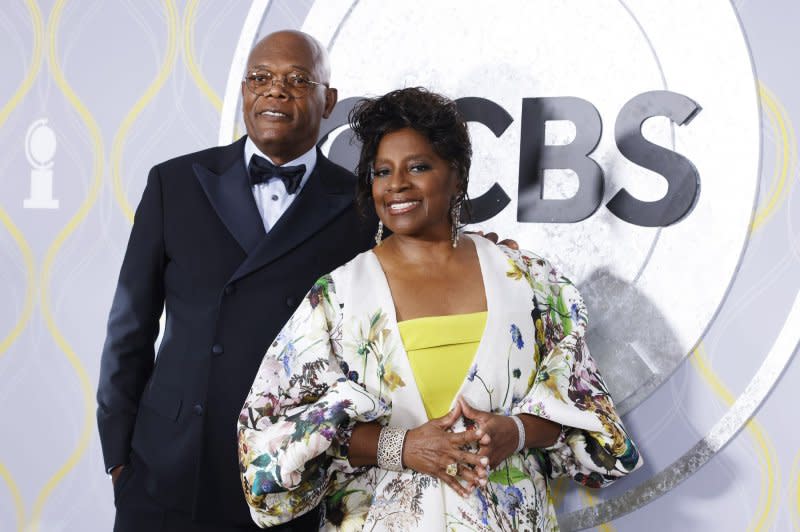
440,350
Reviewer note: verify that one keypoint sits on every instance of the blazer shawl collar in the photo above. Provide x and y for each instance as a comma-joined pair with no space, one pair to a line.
323,197
231,197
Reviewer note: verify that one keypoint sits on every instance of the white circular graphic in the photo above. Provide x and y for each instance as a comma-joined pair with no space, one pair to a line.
651,291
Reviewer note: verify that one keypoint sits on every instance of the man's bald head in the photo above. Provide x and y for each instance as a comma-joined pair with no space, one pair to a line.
282,121
300,41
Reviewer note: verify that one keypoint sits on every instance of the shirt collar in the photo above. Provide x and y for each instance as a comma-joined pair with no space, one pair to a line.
309,159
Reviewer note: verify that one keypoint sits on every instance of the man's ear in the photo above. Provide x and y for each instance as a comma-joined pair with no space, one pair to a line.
331,97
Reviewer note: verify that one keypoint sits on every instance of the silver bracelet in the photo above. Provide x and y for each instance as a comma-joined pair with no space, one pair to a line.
521,432
390,448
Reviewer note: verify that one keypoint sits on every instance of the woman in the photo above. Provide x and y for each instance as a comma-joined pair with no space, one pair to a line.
436,381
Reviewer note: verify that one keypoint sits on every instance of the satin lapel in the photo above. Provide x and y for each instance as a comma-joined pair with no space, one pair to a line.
232,199
321,199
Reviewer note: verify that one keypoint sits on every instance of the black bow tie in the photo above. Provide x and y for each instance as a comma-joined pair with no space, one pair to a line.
261,171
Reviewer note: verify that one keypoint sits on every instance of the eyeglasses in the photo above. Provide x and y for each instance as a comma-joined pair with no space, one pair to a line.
295,83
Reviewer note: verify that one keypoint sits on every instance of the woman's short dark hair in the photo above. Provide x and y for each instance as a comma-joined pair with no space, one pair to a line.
434,116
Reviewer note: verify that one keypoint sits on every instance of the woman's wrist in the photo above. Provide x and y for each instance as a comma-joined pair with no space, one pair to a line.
363,447
390,448
520,433
539,432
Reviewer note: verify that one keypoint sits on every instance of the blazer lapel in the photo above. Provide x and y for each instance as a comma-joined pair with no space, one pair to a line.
232,199
322,198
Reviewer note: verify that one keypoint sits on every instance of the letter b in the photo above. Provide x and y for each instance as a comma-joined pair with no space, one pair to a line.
535,157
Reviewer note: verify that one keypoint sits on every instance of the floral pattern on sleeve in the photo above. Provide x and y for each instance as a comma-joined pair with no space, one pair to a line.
566,386
295,419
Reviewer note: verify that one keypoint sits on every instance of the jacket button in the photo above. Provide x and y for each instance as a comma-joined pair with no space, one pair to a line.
229,289
290,302
217,349
198,409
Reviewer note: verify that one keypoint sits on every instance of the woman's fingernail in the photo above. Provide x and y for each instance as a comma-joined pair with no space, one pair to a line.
484,460
478,432
482,482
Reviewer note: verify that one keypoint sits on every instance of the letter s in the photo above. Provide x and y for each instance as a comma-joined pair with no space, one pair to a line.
681,175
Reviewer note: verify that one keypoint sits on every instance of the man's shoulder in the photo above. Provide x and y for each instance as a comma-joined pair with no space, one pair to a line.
334,172
217,159
331,166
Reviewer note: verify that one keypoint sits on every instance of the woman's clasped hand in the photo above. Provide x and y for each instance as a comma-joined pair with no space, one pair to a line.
497,434
431,448
488,441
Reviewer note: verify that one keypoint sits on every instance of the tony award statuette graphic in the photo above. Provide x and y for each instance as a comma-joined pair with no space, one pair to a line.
40,147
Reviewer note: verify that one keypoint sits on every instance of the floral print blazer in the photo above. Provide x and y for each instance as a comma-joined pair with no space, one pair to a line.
340,360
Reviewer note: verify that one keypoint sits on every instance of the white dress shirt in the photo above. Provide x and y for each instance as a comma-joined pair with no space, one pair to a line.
271,197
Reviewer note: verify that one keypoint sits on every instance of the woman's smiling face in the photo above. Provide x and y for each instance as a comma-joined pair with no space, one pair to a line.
412,186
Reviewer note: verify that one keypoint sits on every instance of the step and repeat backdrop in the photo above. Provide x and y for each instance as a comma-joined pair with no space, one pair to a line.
664,183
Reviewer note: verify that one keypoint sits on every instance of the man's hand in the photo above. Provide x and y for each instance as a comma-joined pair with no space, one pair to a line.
493,238
115,473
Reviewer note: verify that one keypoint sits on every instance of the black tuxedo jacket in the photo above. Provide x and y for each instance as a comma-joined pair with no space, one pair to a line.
198,249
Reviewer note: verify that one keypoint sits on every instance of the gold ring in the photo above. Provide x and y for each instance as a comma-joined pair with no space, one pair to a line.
451,470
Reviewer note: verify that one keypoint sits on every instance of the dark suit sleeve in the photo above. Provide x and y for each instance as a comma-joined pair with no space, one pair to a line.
128,353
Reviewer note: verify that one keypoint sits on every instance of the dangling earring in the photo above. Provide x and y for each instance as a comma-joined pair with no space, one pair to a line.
379,234
455,217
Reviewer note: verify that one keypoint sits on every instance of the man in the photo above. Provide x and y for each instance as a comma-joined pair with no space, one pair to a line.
229,252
